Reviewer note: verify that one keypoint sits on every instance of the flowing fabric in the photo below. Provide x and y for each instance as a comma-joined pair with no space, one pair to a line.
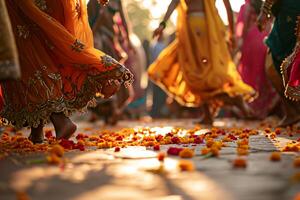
253,58
61,71
9,63
282,39
197,66
290,69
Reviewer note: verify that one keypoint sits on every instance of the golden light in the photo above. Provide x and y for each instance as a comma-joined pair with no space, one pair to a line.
158,9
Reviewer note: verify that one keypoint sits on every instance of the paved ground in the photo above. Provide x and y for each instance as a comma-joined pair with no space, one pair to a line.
103,174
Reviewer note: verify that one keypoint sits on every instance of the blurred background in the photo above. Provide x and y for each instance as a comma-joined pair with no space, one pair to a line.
145,20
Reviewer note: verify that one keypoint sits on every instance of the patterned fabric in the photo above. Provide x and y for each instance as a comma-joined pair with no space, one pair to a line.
61,70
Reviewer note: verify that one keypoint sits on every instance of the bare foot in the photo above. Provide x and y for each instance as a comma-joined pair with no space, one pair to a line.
207,117
292,115
206,121
37,135
245,108
239,102
113,120
64,127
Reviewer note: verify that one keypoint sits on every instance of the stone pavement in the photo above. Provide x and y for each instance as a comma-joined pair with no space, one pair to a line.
103,174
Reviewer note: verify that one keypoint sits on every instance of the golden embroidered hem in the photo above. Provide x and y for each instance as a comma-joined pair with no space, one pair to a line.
61,70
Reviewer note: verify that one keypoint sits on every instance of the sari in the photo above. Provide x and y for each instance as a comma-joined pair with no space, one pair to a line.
9,63
282,38
253,59
290,70
197,65
61,69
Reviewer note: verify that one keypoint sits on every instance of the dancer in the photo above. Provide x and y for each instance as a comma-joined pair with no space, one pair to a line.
101,19
105,38
253,56
136,60
281,43
61,71
197,68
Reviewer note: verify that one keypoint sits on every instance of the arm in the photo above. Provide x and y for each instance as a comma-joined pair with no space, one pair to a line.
162,25
248,13
229,16
124,17
265,14
173,5
98,23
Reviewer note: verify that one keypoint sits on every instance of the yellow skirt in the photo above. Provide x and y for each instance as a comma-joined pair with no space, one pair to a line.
197,68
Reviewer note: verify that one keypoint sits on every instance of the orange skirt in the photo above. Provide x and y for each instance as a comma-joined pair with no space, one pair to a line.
61,70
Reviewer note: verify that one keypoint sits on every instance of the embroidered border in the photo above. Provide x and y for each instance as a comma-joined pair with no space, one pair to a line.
85,98
292,93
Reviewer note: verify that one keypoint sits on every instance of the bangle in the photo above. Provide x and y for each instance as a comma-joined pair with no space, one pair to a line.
103,2
267,8
163,24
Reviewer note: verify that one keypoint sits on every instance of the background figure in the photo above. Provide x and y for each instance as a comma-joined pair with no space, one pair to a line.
101,19
281,42
136,60
9,63
113,34
104,28
253,56
158,95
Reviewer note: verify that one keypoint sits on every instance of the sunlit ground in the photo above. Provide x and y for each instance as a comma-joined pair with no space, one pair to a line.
135,172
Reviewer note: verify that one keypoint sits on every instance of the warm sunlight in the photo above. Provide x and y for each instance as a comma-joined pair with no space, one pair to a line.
158,9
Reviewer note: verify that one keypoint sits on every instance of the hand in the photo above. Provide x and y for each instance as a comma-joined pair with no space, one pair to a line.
158,32
262,21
